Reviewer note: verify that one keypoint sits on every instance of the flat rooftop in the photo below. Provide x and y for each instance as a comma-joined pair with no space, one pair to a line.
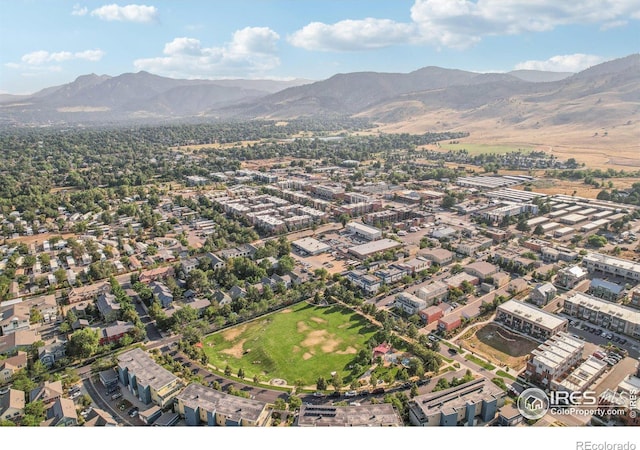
380,415
311,245
532,314
146,370
235,408
449,400
593,303
382,245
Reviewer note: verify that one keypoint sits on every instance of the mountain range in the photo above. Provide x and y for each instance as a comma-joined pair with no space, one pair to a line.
606,94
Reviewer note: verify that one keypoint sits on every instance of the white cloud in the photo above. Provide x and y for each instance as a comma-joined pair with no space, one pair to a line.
562,63
349,35
79,10
42,60
252,51
127,13
462,23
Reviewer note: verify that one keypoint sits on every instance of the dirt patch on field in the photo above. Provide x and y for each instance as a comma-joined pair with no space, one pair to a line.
348,351
286,311
314,338
295,349
318,320
236,351
307,355
233,333
302,327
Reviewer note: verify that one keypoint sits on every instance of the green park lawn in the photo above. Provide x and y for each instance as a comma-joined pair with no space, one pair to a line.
303,342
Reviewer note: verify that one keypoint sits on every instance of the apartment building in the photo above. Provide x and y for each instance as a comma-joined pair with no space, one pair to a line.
202,405
611,316
468,404
530,320
609,265
149,381
554,358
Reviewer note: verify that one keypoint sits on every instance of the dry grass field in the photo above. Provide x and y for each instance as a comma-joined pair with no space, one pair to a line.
616,147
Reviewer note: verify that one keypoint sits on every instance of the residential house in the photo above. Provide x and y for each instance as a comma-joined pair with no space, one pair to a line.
215,261
542,294
10,366
159,273
237,292
187,265
49,353
222,297
115,332
99,418
48,392
286,279
12,405
20,340
162,293
89,292
14,318
62,413
108,306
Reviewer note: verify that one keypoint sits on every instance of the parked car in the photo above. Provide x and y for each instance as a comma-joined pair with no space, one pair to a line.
452,351
379,390
351,394
116,396
318,394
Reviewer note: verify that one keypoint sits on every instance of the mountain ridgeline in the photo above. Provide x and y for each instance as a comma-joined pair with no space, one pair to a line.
606,94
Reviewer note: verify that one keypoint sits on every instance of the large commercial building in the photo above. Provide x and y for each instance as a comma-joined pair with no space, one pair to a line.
469,404
365,250
149,381
530,320
554,358
604,314
202,405
608,265
380,415
364,231
311,246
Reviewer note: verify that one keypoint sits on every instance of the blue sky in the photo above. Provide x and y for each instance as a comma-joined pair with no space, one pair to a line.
50,42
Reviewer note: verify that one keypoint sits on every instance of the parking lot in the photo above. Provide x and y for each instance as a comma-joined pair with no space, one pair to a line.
596,335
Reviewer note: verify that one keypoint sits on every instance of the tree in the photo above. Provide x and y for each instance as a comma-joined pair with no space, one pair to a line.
538,230
294,402
414,390
321,384
83,343
336,381
597,241
448,201
227,370
241,373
